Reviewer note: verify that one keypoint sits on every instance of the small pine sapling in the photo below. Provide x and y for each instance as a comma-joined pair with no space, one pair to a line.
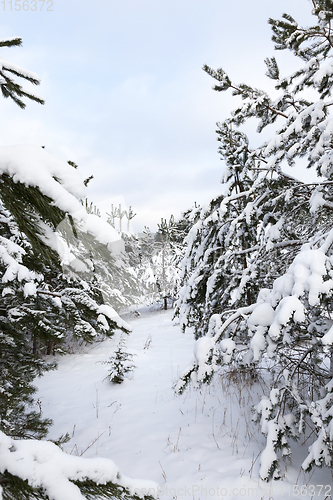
120,364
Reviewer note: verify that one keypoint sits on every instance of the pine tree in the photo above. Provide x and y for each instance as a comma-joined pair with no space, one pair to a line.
146,273
42,306
165,260
216,271
120,363
286,322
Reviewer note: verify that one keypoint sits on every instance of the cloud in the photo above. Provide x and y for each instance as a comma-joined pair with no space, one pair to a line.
125,94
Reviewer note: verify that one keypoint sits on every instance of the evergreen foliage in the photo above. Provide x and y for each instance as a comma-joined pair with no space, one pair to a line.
19,413
111,276
123,286
160,254
44,310
258,269
16,488
165,260
146,273
53,258
33,469
119,364
9,87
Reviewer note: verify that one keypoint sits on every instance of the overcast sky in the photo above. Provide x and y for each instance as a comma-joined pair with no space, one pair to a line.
125,94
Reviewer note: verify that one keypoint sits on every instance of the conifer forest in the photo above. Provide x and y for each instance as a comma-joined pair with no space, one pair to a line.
198,358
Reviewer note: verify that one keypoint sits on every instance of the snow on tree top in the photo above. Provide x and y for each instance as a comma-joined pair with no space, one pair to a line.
33,166
9,39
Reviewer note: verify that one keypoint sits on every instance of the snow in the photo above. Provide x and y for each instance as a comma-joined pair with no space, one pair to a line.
202,350
223,206
227,347
258,342
289,307
44,464
14,268
324,72
33,166
305,274
328,337
200,445
269,456
273,232
110,313
275,309
262,315
29,289
8,66
316,200
274,396
318,452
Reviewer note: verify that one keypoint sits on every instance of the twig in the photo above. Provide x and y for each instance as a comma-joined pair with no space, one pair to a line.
92,443
163,472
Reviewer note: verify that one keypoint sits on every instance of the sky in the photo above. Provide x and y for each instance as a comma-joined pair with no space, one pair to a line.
125,94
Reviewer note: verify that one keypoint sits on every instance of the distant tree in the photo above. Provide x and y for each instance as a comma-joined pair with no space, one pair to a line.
146,273
130,215
159,258
120,214
112,216
168,245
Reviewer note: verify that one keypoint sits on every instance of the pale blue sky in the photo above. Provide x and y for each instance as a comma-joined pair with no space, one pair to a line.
126,97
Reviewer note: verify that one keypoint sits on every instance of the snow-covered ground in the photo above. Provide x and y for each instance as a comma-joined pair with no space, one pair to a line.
200,445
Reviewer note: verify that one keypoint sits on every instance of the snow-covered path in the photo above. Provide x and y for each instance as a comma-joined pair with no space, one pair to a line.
198,445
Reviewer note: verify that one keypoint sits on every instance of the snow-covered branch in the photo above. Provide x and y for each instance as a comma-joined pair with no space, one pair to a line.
44,465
